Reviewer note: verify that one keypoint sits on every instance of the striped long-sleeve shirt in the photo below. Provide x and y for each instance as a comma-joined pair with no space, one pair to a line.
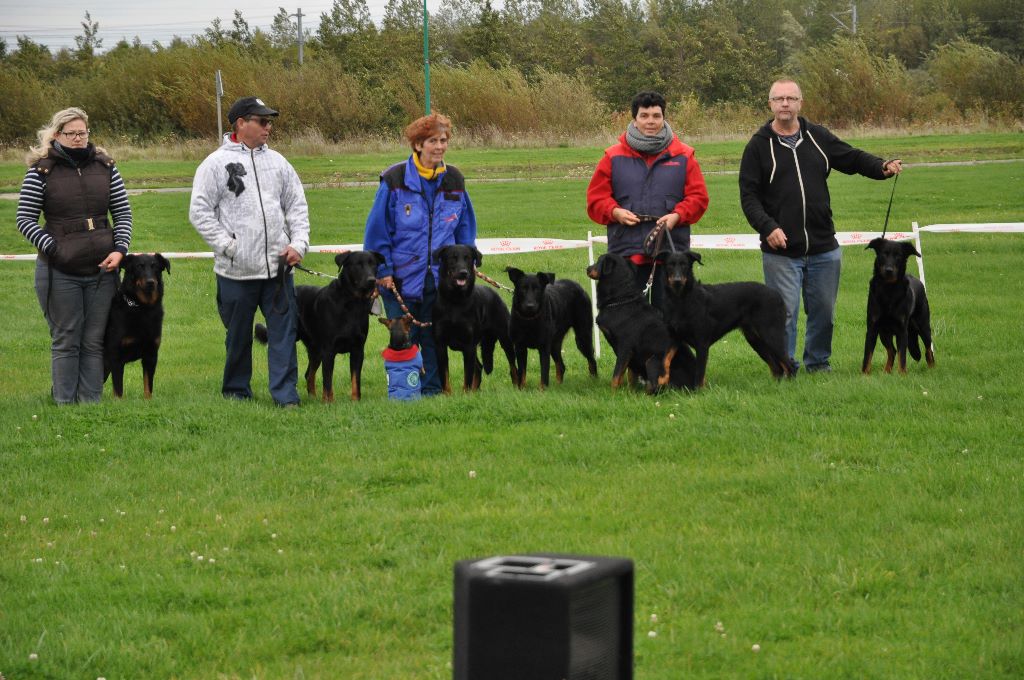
30,207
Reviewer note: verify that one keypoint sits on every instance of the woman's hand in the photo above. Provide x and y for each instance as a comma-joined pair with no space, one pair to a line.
669,221
112,261
386,282
623,216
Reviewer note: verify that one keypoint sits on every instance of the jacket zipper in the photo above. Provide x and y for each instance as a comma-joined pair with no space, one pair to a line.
803,201
259,195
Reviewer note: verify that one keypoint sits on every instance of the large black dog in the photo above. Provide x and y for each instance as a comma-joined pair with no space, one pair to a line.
699,315
897,307
335,319
467,316
635,329
136,321
543,311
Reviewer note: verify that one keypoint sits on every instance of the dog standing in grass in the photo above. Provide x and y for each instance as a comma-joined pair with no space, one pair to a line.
543,311
897,308
135,324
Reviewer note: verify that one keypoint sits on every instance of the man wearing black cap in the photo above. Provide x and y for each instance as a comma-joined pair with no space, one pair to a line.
249,206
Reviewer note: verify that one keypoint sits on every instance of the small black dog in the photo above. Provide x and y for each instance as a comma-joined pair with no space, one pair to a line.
466,316
699,315
136,321
543,311
635,329
897,307
335,319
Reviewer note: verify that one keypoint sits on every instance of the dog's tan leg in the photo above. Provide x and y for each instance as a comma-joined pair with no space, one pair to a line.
929,357
666,367
147,386
329,396
355,389
865,367
311,384
890,359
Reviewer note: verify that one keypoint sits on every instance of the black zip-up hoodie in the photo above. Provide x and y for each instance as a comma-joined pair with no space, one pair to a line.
782,186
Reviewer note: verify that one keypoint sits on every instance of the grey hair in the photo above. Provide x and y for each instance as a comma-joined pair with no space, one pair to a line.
48,132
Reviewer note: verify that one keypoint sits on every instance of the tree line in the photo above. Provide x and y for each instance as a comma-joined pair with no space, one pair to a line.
551,67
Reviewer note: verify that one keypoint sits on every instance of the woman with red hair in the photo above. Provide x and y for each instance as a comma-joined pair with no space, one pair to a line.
420,206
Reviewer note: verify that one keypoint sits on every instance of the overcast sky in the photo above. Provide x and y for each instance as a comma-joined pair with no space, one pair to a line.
55,24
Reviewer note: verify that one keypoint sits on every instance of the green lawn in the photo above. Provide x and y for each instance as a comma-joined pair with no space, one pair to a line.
852,526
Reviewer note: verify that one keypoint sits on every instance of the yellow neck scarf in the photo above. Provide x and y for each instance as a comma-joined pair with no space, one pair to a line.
427,173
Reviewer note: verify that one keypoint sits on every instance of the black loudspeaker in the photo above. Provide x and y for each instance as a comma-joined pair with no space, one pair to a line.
544,617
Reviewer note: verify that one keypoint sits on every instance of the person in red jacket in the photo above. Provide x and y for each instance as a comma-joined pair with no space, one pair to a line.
648,179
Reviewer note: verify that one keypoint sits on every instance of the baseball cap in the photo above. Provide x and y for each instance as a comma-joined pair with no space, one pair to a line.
249,106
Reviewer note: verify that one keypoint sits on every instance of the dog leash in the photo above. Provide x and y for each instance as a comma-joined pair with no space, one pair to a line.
491,281
652,244
401,303
314,273
885,227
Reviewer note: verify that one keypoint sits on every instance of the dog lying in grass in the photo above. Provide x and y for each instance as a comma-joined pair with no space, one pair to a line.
543,311
466,317
699,315
897,308
135,323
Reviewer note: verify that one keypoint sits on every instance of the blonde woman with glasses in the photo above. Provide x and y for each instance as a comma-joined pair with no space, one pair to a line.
87,228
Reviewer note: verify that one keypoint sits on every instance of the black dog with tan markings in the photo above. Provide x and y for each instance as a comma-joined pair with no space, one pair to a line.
466,317
897,308
543,311
335,319
634,329
699,315
135,324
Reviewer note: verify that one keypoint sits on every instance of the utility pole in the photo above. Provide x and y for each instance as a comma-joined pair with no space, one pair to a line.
426,58
852,28
220,95
299,15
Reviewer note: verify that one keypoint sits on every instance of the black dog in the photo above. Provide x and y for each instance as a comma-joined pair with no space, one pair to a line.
897,307
635,329
466,317
335,319
699,315
543,311
136,321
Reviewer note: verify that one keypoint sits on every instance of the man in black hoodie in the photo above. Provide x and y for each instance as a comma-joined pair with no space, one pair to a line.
784,194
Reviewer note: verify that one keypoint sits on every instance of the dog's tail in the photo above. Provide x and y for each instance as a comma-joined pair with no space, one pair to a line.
260,333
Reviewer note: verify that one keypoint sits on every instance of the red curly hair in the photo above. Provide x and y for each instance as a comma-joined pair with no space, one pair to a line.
425,127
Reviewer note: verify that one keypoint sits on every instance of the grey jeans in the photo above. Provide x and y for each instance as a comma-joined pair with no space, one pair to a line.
76,309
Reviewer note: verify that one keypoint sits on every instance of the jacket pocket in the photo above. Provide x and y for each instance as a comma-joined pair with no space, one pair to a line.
80,253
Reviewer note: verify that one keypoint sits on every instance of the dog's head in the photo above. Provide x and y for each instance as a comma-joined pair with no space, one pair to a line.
528,294
678,268
458,265
615,276
143,277
358,271
400,332
891,258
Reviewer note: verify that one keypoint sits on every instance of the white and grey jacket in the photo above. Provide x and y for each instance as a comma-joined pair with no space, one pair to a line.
248,205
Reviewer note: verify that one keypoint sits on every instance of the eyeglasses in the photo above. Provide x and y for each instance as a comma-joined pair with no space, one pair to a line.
77,134
263,122
779,100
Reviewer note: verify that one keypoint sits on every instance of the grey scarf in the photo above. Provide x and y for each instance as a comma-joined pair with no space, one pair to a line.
648,144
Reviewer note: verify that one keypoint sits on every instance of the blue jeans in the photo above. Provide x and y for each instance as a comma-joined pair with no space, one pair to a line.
422,310
237,302
76,310
817,276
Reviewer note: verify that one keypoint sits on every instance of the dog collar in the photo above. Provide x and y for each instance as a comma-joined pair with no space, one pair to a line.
129,301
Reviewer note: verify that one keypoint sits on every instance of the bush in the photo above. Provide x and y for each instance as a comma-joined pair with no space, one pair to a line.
26,105
974,76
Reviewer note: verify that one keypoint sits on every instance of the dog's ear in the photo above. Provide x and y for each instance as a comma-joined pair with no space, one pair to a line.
546,278
875,244
605,264
909,249
439,253
661,255
514,274
165,264
478,257
377,257
341,258
125,261
694,257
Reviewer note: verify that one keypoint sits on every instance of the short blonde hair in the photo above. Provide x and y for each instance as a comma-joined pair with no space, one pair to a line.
48,132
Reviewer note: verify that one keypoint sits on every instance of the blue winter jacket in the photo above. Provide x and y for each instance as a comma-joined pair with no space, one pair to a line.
412,217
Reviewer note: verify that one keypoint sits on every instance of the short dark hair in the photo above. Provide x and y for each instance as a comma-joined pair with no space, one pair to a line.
645,100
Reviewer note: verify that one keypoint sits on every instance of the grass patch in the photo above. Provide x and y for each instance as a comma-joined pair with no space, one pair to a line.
851,526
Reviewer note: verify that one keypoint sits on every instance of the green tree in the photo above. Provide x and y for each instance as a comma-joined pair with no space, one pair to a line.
87,44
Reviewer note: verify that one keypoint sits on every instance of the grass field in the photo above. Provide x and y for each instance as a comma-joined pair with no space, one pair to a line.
852,526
